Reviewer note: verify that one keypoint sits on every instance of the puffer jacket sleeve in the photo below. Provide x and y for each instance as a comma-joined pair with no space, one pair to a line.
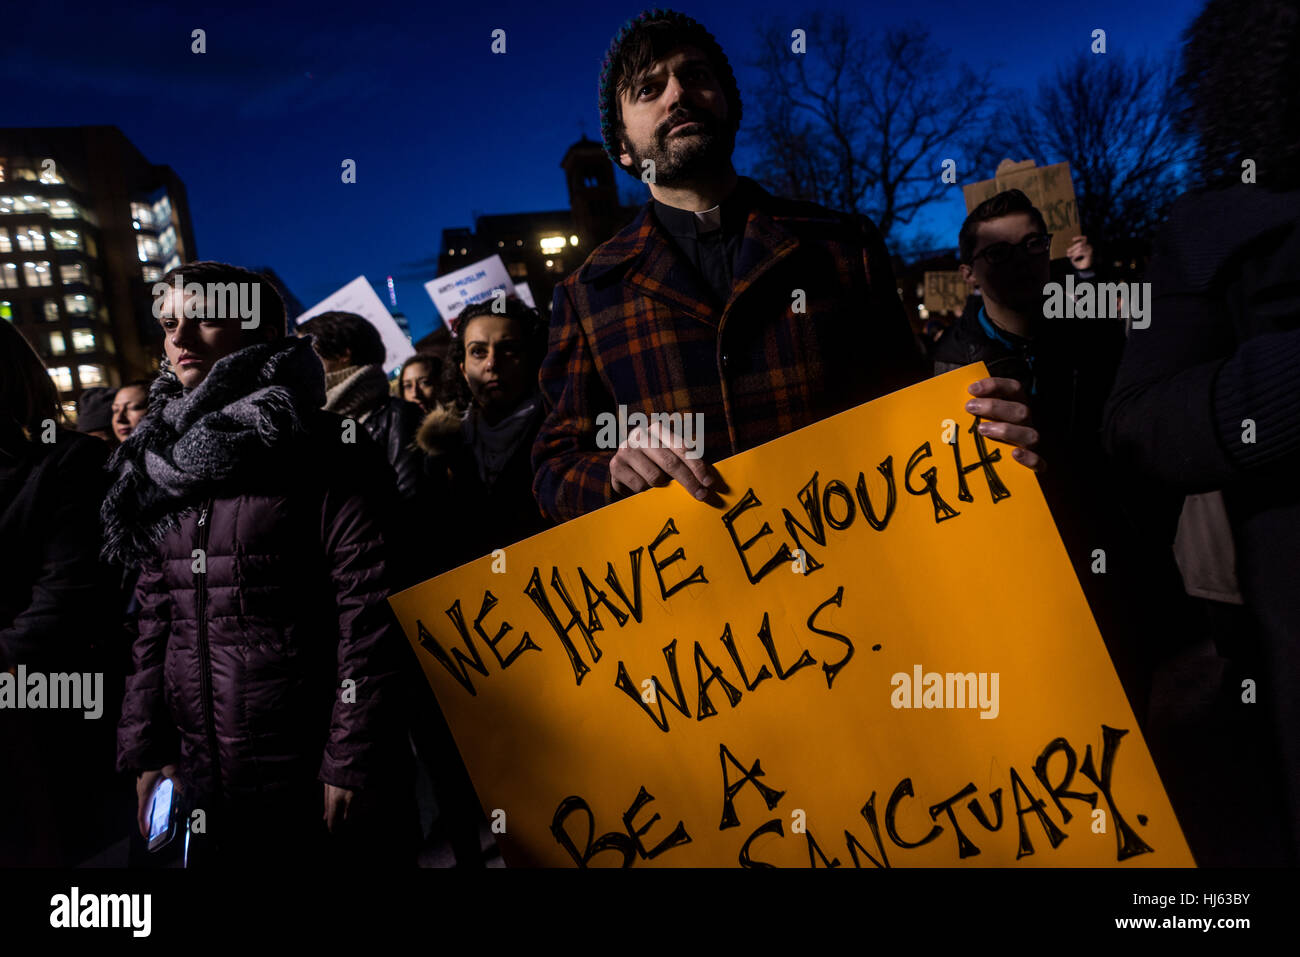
366,720
147,737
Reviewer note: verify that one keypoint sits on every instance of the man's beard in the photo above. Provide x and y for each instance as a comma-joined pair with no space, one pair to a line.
680,160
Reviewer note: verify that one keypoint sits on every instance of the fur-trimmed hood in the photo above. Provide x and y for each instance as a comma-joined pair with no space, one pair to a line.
440,432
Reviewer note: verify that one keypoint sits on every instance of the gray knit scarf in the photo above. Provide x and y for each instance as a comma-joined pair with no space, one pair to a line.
356,391
193,443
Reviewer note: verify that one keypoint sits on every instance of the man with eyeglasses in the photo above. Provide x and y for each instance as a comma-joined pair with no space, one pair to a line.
1066,368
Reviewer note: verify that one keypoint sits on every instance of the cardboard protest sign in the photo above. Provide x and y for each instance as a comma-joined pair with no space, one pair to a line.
873,653
1048,187
473,283
945,291
359,297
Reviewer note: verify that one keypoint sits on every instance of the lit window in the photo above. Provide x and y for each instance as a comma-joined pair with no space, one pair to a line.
91,376
50,174
8,204
142,214
51,310
5,245
62,209
552,245
83,340
30,239
172,263
62,376
22,172
37,274
7,311
65,238
151,272
146,248
91,249
8,275
57,345
69,410
76,306
72,272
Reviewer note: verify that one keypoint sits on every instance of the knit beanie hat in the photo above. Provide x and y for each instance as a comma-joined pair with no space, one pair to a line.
693,34
95,410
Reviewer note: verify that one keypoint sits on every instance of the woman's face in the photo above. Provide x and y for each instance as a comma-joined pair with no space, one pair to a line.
495,363
193,345
418,385
129,406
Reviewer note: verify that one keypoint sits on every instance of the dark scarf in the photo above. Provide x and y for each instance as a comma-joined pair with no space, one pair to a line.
193,443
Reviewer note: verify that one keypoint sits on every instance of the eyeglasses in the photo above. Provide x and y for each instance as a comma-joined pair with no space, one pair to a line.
1034,244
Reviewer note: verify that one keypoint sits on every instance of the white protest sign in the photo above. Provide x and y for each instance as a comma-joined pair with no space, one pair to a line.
525,294
359,297
473,283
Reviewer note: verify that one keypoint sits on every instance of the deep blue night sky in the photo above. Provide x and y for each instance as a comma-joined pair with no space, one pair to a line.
440,128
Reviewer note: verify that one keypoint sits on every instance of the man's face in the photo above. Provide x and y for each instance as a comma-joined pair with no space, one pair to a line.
193,344
676,115
494,365
1017,282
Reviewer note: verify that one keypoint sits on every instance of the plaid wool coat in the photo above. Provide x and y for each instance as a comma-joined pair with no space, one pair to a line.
813,326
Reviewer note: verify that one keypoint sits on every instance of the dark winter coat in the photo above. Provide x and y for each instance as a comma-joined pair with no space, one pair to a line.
58,614
267,657
477,518
1207,398
393,427
240,672
814,326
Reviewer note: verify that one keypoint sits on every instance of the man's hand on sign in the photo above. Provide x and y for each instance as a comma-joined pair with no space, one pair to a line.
1080,253
1006,418
652,457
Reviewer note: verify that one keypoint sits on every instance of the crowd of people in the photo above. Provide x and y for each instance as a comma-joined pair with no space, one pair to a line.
220,540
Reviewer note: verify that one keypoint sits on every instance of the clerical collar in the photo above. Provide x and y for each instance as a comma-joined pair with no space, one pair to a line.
689,224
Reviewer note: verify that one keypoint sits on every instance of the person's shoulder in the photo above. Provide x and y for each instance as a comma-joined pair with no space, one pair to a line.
963,342
814,219
622,248
1207,228
76,450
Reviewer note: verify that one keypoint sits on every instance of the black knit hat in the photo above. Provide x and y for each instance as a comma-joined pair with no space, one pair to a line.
95,410
693,34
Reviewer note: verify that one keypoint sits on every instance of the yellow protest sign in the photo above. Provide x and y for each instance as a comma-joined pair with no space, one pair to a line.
1049,188
873,653
945,291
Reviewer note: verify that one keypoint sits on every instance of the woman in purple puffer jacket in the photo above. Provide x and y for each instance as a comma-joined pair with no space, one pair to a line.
266,660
